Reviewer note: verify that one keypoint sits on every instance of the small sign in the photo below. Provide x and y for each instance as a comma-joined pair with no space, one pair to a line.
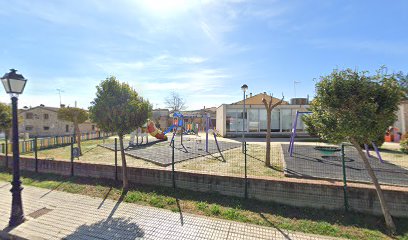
75,152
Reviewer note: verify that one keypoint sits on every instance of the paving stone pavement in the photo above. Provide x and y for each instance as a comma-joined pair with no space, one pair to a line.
73,216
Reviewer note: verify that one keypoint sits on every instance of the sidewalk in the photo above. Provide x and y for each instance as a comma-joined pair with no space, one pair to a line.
56,215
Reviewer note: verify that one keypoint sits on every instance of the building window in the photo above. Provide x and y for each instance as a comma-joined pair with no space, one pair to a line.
93,127
46,116
286,115
253,120
231,120
66,128
275,120
29,128
234,121
46,128
29,115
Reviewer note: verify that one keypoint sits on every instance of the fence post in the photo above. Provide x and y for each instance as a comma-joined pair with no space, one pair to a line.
6,149
245,166
116,159
72,156
172,164
35,155
346,206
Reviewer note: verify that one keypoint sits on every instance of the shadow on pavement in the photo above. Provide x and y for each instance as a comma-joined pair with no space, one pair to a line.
110,228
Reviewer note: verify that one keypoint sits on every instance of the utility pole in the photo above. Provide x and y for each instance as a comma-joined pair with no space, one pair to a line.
59,93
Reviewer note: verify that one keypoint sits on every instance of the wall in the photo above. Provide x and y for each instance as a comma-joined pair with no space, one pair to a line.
56,126
221,118
402,117
295,192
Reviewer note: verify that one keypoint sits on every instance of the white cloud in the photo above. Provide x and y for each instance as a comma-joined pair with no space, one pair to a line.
193,60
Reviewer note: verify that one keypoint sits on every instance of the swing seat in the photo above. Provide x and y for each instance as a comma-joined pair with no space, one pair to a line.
327,150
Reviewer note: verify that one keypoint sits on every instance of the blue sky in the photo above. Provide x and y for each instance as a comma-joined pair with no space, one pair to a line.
205,50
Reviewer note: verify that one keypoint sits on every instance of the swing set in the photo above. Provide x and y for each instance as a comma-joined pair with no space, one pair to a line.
179,126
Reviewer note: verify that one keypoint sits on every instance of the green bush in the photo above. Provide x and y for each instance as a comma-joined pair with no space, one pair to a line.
404,145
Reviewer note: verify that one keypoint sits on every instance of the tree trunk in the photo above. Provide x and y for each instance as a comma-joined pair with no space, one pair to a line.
78,134
268,139
384,207
124,169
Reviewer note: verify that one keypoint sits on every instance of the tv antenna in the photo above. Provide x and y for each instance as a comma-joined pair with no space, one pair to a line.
294,86
59,93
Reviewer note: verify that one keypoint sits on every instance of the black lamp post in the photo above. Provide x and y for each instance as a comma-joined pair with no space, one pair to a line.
244,88
14,85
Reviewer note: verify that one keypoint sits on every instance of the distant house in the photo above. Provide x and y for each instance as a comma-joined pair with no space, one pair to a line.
231,121
42,121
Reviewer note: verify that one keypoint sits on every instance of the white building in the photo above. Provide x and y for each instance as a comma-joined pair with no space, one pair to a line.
230,120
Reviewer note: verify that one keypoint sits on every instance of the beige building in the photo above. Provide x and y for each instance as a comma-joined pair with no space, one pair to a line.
232,123
43,121
402,114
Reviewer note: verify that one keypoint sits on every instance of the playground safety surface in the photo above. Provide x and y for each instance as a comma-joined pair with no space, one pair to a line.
310,163
160,152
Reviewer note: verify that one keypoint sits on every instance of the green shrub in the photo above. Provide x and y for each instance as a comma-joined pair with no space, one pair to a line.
202,206
215,209
404,145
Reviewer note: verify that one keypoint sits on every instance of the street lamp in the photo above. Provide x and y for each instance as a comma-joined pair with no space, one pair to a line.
14,85
244,88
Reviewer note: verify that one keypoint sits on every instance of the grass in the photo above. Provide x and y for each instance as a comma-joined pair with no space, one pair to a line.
308,220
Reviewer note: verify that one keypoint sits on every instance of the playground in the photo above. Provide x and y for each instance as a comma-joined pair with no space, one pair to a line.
185,143
160,152
203,151
325,161
309,162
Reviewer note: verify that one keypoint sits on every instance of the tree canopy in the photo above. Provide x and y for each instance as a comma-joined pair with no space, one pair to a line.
356,107
5,117
351,104
118,108
76,116
73,114
175,102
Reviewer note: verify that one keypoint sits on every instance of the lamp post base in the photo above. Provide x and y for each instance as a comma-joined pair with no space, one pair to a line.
17,214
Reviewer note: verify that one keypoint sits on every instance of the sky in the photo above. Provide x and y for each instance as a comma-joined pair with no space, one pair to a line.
204,50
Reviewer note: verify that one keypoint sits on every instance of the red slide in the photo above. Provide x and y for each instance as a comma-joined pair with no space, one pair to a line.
151,128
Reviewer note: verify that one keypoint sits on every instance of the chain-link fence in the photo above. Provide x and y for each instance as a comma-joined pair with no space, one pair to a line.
230,157
325,161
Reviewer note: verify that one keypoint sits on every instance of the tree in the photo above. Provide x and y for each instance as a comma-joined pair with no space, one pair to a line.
5,117
175,103
269,106
119,108
76,116
356,107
